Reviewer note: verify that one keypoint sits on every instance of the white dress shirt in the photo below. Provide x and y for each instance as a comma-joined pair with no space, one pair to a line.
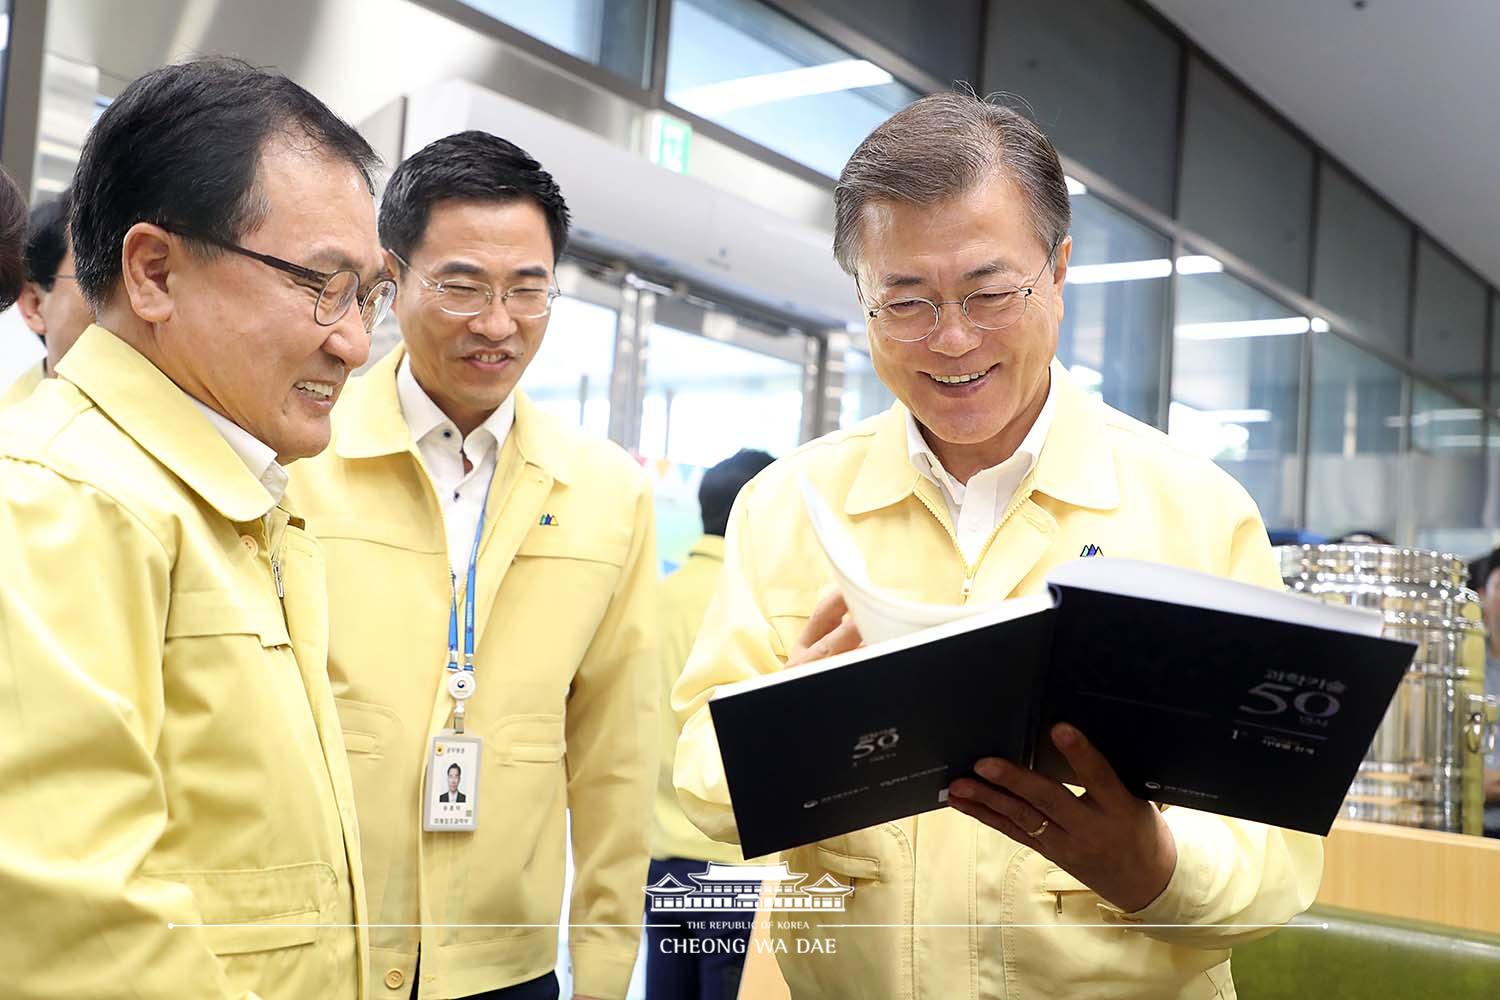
258,456
460,494
977,507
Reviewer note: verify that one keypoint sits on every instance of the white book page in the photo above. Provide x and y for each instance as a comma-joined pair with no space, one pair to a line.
1174,585
879,614
982,617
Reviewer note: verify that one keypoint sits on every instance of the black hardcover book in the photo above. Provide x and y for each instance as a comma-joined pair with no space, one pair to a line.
1201,692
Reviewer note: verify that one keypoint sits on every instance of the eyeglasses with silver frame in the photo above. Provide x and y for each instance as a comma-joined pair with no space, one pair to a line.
468,297
337,291
911,319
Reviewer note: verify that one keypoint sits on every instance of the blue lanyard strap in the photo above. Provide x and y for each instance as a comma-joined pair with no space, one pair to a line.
470,598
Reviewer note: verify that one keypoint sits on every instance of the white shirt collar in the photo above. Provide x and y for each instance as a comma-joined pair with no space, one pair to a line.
259,458
424,417
926,461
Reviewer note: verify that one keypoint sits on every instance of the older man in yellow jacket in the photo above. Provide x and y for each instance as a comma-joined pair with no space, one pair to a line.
493,571
991,468
176,814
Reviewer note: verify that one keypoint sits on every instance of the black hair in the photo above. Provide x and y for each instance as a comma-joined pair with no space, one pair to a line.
181,146
455,767
1481,568
47,239
468,166
722,484
12,237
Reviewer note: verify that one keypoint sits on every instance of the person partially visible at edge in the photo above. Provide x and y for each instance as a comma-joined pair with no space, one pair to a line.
177,817
12,241
691,958
992,468
50,302
438,463
1484,578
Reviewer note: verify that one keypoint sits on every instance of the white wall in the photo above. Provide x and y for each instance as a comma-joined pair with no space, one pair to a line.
19,347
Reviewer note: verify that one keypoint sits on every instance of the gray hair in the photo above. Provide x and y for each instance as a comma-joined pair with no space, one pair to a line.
938,148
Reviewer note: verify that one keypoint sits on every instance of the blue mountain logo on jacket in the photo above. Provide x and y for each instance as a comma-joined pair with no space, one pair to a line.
1090,550
548,521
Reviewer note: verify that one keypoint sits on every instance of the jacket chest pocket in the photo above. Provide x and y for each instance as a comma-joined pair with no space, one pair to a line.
530,739
220,615
247,911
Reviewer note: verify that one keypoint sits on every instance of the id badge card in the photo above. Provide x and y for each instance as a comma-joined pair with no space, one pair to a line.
451,802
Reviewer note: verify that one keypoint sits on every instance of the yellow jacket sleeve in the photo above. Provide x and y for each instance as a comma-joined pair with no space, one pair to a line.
735,643
84,589
612,761
1235,880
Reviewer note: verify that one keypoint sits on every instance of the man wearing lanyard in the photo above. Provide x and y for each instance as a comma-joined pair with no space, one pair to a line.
176,813
492,578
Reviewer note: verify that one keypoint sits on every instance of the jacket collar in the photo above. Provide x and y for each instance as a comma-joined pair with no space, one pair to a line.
369,423
1076,465
163,420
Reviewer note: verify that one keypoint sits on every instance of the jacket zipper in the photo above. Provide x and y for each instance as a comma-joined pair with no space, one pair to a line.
1023,493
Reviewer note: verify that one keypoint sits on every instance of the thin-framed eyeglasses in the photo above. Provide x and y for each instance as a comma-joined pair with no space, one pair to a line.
993,307
337,291
469,297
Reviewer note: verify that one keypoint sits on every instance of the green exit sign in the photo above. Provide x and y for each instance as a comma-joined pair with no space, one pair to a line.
671,139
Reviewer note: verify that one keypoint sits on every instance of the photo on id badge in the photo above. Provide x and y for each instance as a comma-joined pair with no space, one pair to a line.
452,799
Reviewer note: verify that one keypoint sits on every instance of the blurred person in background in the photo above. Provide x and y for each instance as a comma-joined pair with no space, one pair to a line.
1484,579
12,240
677,971
50,302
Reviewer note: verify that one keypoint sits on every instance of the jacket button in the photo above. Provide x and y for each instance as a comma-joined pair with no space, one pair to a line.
249,544
394,979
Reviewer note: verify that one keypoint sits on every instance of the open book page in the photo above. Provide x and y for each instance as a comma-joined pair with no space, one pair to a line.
1173,585
879,614
981,616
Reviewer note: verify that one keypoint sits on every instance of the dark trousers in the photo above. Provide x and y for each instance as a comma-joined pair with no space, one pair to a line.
541,988
687,963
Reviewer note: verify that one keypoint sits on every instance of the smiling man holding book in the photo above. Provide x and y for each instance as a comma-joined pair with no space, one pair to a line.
992,469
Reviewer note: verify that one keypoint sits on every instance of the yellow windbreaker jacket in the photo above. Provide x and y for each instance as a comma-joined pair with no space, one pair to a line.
565,696
684,601
960,910
176,815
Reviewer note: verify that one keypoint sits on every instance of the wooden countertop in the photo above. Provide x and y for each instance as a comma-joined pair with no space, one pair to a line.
1444,878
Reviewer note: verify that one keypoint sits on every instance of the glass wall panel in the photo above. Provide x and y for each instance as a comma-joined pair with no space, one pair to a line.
758,73
1101,79
1448,331
612,34
1246,180
1446,469
1363,266
705,400
1354,469
1236,359
1494,375
864,394
1115,304
569,377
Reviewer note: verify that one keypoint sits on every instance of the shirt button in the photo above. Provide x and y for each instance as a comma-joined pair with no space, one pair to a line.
249,544
394,979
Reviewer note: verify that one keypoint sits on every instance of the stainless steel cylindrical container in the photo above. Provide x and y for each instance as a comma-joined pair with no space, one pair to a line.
1425,766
